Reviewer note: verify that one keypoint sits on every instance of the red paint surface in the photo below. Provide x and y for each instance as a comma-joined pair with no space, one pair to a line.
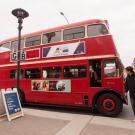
31,54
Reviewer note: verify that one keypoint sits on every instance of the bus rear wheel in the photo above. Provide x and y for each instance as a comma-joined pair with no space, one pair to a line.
109,105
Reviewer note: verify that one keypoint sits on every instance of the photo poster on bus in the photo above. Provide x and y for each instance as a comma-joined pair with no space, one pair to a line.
2,107
51,85
12,104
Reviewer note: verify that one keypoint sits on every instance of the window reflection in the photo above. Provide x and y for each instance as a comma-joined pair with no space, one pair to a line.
5,47
97,29
52,37
74,33
14,44
52,72
110,68
74,71
32,41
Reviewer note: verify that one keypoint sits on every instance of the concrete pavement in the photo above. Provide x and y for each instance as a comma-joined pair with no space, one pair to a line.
49,122
29,125
105,130
127,112
79,121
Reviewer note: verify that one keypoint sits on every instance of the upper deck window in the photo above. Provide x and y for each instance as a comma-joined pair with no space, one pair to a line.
14,44
74,33
97,29
52,37
32,41
5,47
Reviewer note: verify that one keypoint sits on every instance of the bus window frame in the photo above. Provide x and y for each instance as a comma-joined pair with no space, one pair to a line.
86,72
74,38
100,34
117,67
17,44
40,35
61,39
30,68
15,74
47,78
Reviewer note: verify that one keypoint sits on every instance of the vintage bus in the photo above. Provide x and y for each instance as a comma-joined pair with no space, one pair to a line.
75,65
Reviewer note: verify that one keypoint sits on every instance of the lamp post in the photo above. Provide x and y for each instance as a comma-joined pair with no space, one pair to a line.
64,17
20,14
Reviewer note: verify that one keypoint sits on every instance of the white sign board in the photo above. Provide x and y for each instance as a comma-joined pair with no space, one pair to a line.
14,55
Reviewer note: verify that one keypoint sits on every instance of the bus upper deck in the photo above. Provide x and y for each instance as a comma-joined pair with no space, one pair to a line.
84,39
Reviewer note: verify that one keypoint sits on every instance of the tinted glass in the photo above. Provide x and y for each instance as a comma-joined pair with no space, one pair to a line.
110,68
52,37
52,72
74,33
13,74
6,45
32,73
32,41
14,44
97,29
74,71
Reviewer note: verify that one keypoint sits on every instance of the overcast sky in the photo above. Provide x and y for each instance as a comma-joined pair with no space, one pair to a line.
45,14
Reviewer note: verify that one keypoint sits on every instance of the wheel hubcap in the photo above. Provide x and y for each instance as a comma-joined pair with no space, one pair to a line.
109,104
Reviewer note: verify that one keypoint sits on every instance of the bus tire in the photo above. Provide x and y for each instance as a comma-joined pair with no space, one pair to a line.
109,105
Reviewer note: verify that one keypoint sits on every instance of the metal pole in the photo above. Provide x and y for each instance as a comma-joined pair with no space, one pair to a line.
64,17
18,52
20,14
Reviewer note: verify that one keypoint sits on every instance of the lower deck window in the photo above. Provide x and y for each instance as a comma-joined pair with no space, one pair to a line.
13,74
51,72
32,73
74,71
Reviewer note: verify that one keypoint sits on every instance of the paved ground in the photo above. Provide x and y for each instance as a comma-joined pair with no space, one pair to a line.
105,130
127,112
29,125
61,121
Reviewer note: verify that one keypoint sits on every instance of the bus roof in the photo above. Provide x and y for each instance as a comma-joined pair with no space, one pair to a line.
92,21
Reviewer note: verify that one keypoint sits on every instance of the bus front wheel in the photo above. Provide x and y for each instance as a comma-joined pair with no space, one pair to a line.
109,105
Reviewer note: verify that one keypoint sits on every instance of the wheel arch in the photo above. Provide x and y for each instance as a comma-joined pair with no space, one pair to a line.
105,91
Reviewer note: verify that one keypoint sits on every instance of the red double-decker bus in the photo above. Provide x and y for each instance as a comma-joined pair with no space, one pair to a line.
72,65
